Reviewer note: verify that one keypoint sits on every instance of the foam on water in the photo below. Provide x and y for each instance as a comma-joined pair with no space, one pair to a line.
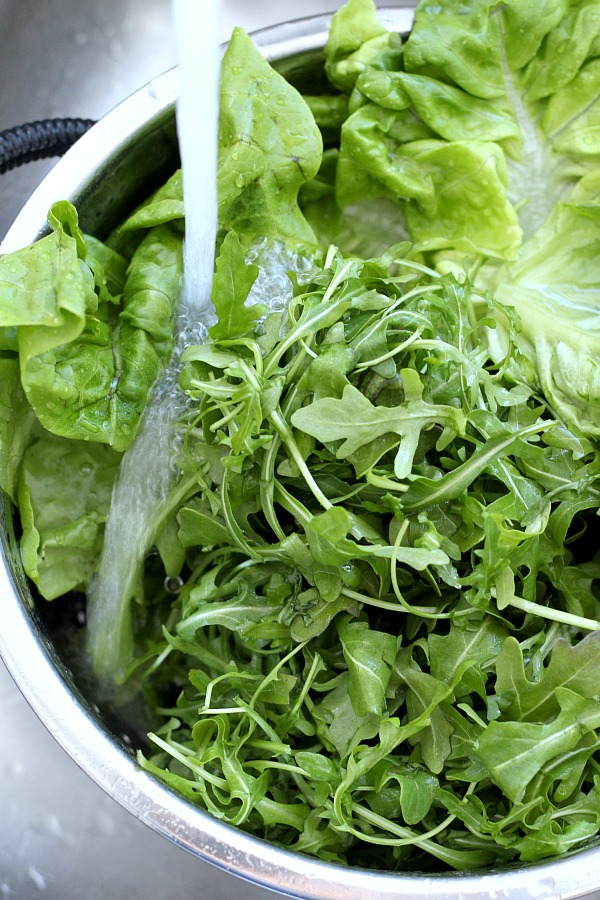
273,286
148,471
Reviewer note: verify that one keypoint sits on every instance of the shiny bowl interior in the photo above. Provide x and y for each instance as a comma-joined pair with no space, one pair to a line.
127,154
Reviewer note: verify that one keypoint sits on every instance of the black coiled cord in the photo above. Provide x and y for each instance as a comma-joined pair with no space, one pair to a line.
37,140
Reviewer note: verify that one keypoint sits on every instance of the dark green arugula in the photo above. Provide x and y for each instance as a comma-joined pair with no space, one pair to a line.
389,574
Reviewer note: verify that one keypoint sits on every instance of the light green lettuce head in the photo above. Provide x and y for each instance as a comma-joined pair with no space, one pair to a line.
484,128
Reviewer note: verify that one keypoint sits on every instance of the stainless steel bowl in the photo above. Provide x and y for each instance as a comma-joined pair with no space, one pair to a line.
105,174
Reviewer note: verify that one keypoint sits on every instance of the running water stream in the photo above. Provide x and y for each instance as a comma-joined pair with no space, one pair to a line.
147,473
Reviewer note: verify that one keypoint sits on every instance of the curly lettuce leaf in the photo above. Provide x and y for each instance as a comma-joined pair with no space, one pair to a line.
430,145
165,205
485,134
92,334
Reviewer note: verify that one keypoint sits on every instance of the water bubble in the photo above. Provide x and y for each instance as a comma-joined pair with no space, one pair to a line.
153,91
37,877
16,769
173,584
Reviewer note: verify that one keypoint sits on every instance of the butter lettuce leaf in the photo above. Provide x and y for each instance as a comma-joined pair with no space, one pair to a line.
479,126
269,146
64,491
356,37
17,420
46,290
484,131
555,287
93,333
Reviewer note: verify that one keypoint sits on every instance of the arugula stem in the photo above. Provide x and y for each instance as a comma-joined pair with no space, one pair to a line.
398,349
269,482
267,487
189,761
292,505
315,666
415,292
406,836
252,346
337,280
330,256
262,764
550,640
234,528
415,610
227,418
217,680
287,436
159,660
380,604
272,675
555,615
384,482
419,267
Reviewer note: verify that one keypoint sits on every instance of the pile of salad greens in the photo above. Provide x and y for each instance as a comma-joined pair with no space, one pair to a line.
368,624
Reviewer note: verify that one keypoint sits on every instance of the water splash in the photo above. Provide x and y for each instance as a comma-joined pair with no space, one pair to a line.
275,259
148,471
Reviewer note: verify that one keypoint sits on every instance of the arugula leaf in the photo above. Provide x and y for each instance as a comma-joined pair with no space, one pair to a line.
514,752
570,667
370,656
354,420
230,291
